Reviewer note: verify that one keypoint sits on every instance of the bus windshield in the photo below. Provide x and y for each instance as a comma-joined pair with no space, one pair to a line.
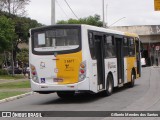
56,40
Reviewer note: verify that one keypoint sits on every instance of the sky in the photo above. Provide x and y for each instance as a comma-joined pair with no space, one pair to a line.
125,12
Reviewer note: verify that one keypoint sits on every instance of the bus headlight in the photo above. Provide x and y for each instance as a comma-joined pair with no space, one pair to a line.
34,74
82,71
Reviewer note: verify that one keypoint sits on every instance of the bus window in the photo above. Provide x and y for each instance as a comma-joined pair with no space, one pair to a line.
131,47
125,46
109,47
56,40
91,45
137,45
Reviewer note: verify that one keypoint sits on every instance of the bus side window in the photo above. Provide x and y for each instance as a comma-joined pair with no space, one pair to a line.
125,47
91,45
137,45
131,47
109,46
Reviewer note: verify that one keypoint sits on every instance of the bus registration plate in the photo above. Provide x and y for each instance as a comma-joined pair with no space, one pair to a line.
57,79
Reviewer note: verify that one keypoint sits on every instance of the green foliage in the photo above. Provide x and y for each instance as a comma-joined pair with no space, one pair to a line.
11,77
14,30
23,56
91,20
4,95
3,72
7,33
22,26
13,85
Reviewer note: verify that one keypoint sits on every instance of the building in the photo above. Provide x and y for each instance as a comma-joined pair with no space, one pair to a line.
150,38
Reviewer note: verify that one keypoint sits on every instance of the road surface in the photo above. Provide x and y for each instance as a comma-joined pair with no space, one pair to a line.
144,96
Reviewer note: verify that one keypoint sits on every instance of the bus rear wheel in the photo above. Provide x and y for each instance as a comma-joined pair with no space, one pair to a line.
66,94
109,86
133,77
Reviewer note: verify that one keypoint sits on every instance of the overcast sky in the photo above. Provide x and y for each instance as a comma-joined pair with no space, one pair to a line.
136,12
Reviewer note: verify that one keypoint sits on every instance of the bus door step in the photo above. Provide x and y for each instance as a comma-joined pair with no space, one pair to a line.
121,85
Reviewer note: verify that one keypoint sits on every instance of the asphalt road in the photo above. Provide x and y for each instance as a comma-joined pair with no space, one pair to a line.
144,96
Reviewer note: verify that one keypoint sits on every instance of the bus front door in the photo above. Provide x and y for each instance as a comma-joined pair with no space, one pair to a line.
120,61
99,49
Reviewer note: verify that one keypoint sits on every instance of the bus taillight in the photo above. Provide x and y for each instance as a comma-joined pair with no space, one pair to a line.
82,71
34,74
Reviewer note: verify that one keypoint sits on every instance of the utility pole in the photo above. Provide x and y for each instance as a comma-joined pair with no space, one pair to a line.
53,10
106,16
9,7
103,13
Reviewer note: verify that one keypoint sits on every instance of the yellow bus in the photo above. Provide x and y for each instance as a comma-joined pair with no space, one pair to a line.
81,58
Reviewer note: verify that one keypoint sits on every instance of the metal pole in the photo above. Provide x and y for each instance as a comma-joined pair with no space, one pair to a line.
106,15
12,60
103,13
9,8
150,53
53,10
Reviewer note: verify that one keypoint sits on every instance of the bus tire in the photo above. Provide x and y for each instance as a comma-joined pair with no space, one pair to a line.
66,94
131,84
109,85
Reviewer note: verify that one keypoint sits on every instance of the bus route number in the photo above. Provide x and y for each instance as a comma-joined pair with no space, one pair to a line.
69,61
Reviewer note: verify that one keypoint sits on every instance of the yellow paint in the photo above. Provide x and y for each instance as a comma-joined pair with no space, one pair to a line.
131,34
130,64
68,67
157,5
131,60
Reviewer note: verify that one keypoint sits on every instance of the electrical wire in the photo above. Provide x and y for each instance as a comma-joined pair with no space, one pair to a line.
62,9
71,9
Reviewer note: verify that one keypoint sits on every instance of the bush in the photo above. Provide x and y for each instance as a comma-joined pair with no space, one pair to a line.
3,72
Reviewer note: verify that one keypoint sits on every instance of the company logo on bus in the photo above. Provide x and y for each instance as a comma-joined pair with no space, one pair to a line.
42,65
111,65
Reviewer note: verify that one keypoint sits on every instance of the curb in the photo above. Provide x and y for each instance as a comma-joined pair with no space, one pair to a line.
15,97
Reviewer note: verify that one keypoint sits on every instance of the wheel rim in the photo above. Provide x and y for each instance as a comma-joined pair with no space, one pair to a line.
133,79
109,86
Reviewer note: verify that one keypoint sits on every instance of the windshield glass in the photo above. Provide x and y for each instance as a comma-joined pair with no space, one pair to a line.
56,40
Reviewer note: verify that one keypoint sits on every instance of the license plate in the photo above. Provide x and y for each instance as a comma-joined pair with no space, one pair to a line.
57,79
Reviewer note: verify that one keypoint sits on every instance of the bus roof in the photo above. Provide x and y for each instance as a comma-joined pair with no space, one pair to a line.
90,27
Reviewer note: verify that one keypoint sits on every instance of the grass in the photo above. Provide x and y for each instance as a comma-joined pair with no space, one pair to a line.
4,95
12,77
13,88
14,85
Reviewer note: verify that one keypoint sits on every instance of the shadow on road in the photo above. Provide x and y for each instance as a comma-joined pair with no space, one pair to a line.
121,89
78,98
84,97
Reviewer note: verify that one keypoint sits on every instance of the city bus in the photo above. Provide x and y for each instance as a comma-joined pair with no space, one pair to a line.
68,59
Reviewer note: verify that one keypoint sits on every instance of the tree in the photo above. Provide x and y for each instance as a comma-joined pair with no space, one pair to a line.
7,33
91,20
22,26
14,7
23,55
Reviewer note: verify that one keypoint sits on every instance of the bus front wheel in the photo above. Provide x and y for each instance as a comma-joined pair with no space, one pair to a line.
109,86
66,94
